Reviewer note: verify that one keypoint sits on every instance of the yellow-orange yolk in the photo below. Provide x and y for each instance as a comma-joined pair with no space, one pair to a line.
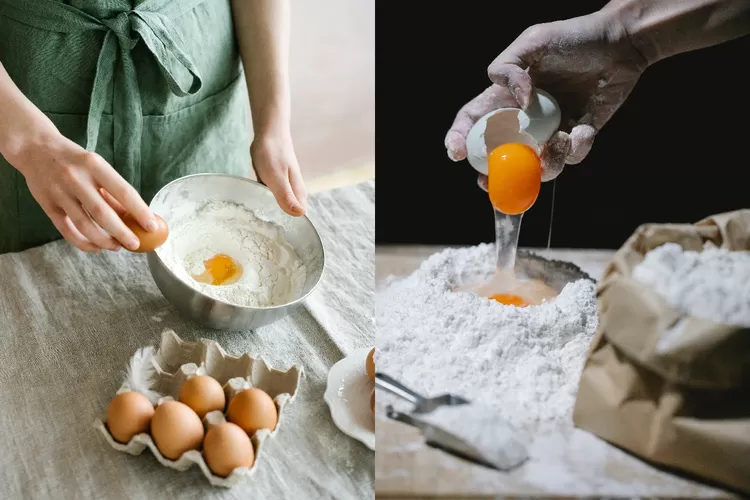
221,269
510,300
514,178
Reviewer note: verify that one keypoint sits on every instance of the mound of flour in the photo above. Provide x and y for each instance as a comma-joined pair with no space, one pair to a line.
522,362
713,284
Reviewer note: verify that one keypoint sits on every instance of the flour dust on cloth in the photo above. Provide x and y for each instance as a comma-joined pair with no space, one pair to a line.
155,87
72,320
269,270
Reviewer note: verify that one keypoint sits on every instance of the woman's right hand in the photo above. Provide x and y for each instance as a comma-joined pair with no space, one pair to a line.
80,192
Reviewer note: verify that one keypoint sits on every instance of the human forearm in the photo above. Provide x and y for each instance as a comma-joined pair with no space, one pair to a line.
262,28
663,28
21,123
66,180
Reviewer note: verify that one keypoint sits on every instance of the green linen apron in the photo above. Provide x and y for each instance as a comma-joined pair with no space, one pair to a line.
154,86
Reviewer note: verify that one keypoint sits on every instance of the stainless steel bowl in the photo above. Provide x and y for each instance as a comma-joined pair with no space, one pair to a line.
213,313
555,273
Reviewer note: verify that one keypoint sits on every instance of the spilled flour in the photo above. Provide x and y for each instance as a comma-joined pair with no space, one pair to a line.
270,272
480,428
713,284
523,363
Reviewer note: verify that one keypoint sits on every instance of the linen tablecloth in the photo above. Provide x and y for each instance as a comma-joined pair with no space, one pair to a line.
69,322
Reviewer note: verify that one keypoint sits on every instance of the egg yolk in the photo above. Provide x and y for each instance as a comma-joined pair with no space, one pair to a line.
510,300
514,178
221,269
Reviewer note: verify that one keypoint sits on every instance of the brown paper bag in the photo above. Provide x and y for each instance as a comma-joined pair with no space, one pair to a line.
672,389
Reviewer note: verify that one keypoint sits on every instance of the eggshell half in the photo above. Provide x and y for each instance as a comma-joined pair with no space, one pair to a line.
542,118
532,127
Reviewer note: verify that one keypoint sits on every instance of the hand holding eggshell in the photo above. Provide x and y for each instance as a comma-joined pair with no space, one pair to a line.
580,60
586,63
532,127
502,120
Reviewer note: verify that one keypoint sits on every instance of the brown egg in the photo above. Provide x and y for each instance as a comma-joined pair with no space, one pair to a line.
370,364
372,401
203,394
149,240
176,429
128,414
253,409
227,447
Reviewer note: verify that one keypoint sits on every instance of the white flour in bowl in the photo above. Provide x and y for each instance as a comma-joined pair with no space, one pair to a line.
713,284
522,362
271,272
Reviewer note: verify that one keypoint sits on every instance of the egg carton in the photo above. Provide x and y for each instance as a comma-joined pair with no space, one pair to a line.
175,362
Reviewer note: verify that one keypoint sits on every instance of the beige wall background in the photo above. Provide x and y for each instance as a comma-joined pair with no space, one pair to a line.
332,65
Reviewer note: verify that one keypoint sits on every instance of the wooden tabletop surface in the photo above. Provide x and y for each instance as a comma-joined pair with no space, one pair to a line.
405,468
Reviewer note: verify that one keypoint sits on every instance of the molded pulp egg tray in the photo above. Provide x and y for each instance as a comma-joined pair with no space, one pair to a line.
177,360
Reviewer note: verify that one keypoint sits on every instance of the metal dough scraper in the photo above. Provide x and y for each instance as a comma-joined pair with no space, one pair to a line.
459,427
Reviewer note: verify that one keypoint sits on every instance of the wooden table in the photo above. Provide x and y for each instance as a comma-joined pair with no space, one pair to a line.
405,468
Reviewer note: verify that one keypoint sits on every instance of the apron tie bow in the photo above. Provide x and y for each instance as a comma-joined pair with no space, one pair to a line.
120,26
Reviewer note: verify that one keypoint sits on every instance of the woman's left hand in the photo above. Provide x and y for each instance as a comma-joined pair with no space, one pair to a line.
276,166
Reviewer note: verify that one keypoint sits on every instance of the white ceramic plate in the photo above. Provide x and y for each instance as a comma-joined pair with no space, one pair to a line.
348,396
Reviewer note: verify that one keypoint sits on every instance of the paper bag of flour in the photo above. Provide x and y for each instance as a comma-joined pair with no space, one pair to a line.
672,389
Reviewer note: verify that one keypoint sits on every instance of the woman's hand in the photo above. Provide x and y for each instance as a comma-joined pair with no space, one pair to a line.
262,28
80,192
588,64
276,166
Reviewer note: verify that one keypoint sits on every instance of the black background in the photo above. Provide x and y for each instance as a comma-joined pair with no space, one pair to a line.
676,151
